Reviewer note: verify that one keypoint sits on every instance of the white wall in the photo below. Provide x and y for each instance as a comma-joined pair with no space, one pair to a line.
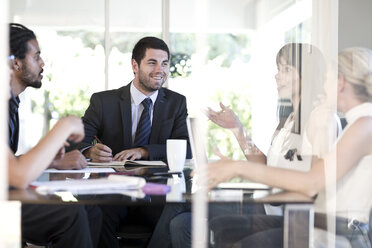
355,23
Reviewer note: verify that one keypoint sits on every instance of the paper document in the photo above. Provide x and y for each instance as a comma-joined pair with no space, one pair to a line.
85,170
128,164
243,185
113,183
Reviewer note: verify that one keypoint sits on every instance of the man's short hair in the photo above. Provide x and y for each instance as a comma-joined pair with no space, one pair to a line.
139,49
19,35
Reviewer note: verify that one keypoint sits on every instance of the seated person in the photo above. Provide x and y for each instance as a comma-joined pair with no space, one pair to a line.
134,122
60,226
28,73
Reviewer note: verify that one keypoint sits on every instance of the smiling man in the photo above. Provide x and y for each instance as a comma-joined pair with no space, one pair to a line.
134,121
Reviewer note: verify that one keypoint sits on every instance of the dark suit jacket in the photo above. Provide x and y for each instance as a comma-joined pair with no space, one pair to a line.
109,117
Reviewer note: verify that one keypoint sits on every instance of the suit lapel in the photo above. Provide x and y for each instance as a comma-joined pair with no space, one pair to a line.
157,118
126,116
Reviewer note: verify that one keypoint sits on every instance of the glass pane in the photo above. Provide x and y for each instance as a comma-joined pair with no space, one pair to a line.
226,52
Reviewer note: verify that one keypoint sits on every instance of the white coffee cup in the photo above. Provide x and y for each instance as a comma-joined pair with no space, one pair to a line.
176,154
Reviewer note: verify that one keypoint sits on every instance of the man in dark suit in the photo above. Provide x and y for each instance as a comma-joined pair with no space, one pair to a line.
134,122
113,116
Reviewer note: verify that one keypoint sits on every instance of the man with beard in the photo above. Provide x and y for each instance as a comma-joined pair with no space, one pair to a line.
113,116
28,69
56,225
134,122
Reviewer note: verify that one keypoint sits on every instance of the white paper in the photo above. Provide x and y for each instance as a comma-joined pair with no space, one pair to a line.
85,170
242,185
90,186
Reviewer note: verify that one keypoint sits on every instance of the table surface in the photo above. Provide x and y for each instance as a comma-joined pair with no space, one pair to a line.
180,192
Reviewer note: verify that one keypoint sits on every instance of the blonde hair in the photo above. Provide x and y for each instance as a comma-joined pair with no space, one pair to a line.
355,64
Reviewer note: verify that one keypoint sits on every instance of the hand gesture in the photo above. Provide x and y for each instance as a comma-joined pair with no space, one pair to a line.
225,118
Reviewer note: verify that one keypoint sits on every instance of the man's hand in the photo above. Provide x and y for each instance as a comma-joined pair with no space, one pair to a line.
132,154
99,153
70,160
60,154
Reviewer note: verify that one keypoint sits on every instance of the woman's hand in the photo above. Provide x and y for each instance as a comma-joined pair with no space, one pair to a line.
220,171
76,127
225,118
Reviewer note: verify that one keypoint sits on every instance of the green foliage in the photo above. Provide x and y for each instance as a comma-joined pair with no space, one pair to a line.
180,65
223,139
182,43
69,103
62,103
230,47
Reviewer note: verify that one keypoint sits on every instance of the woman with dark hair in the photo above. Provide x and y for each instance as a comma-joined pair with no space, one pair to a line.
300,78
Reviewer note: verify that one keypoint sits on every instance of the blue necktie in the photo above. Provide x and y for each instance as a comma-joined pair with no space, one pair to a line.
144,125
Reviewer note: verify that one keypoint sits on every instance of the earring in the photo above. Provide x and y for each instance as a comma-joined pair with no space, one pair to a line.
17,68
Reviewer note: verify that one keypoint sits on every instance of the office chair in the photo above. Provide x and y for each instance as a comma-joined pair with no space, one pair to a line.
134,235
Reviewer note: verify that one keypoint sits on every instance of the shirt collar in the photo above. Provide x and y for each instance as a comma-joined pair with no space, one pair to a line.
138,96
363,109
14,100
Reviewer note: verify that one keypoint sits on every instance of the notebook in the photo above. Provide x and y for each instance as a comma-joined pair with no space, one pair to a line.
128,164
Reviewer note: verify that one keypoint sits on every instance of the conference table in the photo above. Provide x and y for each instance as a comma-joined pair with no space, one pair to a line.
298,208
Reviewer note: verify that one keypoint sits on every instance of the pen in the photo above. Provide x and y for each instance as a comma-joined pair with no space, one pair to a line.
167,173
98,140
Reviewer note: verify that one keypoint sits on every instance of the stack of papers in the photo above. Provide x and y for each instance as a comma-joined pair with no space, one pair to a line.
110,184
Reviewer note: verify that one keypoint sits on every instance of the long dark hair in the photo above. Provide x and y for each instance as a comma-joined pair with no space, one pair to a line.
311,67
